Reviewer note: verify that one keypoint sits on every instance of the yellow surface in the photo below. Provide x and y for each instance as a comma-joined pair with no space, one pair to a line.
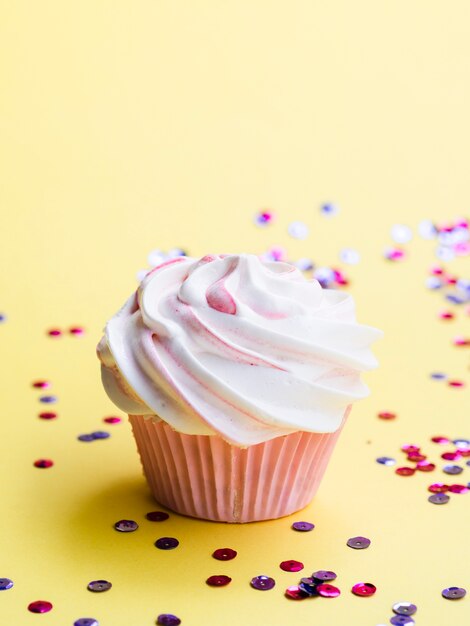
132,125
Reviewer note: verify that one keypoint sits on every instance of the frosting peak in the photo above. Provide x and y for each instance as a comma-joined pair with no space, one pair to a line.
235,346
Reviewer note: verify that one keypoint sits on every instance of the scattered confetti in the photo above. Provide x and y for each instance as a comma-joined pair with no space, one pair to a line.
404,608
218,581
386,415
405,471
438,487
5,583
224,554
167,619
303,527
402,620
54,332
167,543
40,606
394,254
43,463
86,621
328,591
439,498
263,218
41,384
298,230
3,318
358,543
401,233
454,593
458,489
48,399
97,586
157,516
295,592
47,415
291,566
112,420
386,460
364,589
439,439
349,256
262,583
126,526
329,209
76,330
452,469
323,575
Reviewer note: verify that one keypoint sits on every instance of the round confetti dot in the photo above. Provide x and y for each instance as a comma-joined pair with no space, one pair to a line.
364,589
40,606
358,543
456,383
439,498
41,384
76,330
416,457
5,583
157,516
309,586
452,469
167,543
386,460
323,575
328,591
262,583
43,463
112,419
410,447
438,488
438,376
126,526
458,489
291,566
3,318
461,443
295,592
54,332
394,254
167,619
86,621
100,434
298,230
349,256
439,439
425,466
454,593
328,209
303,527
224,554
86,437
218,581
386,415
404,608
405,471
401,233
47,415
451,456
446,315
263,218
97,586
48,399
402,620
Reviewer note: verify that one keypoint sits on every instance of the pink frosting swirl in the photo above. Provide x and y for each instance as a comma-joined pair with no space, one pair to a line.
238,347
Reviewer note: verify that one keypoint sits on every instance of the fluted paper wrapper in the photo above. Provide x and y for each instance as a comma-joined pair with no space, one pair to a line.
206,477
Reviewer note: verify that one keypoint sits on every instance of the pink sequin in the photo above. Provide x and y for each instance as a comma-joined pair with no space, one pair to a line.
41,384
441,440
386,415
408,447
456,383
291,566
364,589
47,415
446,315
76,330
112,420
416,457
452,456
438,488
328,591
43,463
425,466
295,593
405,471
54,332
461,341
458,489
39,606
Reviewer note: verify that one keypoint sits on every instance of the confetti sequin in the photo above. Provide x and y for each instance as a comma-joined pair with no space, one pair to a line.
328,591
5,583
295,592
425,466
439,498
386,460
97,586
76,331
303,527
452,469
349,256
224,554
458,489
47,415
364,589
262,583
41,384
402,620
126,526
167,543
112,420
263,218
386,415
405,471
48,399
85,437
401,233
309,586
456,383
43,463
358,543
454,593
439,439
100,434
394,254
291,566
86,621
328,209
298,230
404,608
323,575
157,516
40,606
438,488
451,456
218,581
168,619
54,332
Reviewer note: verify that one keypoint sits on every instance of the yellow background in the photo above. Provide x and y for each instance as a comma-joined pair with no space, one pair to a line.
132,125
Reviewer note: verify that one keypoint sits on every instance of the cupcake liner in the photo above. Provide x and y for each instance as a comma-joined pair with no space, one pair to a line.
206,477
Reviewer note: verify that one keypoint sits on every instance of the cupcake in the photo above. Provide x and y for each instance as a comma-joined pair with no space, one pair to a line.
238,375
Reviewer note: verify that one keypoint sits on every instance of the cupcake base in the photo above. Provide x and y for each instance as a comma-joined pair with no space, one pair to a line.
206,477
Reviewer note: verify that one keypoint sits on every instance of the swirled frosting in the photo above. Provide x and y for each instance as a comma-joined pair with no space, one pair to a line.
235,346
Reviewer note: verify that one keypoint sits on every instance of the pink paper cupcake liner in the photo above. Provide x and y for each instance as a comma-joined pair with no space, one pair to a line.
206,477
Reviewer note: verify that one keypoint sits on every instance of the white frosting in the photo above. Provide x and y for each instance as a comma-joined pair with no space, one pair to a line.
238,347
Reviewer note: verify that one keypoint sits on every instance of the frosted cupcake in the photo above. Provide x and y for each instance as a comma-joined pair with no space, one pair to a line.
237,375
